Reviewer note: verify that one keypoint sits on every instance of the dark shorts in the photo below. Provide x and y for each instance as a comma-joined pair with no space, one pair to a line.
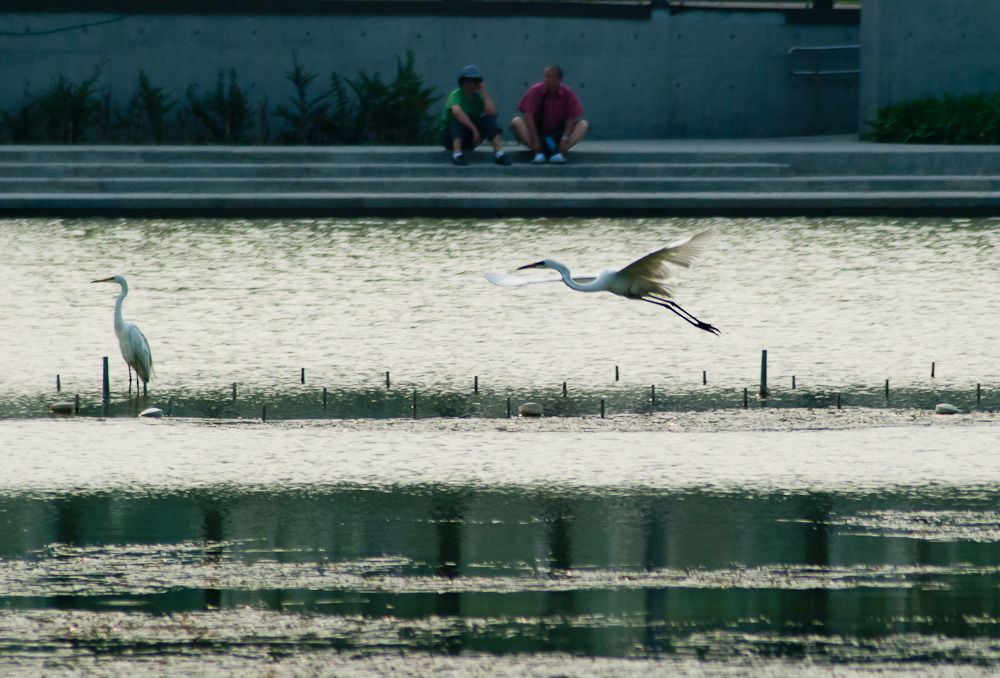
487,126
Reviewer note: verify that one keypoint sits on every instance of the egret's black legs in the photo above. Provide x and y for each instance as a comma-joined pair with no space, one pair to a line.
684,315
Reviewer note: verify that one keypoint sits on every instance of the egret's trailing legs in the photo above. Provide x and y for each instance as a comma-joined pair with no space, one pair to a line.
684,315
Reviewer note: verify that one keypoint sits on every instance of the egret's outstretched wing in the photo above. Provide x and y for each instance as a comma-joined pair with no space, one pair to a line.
506,280
656,265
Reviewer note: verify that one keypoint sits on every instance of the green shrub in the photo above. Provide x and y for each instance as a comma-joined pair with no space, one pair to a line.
378,112
225,114
306,119
24,126
968,119
151,105
396,113
63,113
68,110
415,125
341,122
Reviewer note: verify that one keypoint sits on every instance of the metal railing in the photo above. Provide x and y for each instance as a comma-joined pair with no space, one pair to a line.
818,53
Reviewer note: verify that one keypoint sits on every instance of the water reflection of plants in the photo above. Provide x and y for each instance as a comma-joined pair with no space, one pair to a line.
613,572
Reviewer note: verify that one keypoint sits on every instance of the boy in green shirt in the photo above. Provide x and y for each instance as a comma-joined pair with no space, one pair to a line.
469,117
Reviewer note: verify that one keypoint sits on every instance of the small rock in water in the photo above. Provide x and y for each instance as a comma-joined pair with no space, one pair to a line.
530,410
62,408
946,408
151,412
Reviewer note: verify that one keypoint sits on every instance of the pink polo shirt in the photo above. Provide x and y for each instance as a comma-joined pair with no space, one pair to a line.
558,109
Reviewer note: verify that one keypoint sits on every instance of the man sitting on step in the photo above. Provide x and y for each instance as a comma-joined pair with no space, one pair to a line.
469,117
551,124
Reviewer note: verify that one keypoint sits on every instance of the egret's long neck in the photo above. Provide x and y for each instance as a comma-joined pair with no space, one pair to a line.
118,306
568,279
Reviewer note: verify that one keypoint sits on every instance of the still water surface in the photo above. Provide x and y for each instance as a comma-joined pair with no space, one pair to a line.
183,547
352,541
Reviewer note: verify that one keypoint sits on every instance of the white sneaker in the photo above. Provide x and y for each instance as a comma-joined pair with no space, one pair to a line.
558,159
539,159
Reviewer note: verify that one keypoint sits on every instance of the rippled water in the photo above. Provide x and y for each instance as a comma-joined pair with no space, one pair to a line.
840,304
685,536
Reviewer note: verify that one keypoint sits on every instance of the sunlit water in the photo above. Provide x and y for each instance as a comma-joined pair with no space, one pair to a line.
840,304
686,536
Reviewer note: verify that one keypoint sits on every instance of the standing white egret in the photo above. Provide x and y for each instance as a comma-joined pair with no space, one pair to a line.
644,279
131,340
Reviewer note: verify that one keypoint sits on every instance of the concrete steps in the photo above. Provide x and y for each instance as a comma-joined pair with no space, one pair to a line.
500,185
824,175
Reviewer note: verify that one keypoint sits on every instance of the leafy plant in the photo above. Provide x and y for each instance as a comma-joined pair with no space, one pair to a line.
224,114
396,113
414,124
341,121
306,119
372,114
63,113
152,105
968,119
25,125
378,112
68,109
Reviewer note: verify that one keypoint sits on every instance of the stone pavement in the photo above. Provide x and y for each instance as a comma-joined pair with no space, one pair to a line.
805,175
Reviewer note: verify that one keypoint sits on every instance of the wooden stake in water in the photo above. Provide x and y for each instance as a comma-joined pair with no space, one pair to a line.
414,403
746,398
76,404
932,370
324,398
58,384
886,391
978,395
263,412
303,377
763,374
564,389
616,373
508,407
602,408
234,391
106,390
170,406
838,401
387,379
704,377
652,396
475,384
793,382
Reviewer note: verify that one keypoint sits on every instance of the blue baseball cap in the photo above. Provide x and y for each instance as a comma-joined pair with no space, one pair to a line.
469,72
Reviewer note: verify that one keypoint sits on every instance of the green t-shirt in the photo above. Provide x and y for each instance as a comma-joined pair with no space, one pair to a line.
472,106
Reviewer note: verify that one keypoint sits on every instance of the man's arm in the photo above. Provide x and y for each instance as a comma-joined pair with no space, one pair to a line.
460,115
567,131
532,130
488,106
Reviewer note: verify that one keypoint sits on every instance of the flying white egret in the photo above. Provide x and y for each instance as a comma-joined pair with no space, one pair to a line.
131,340
644,279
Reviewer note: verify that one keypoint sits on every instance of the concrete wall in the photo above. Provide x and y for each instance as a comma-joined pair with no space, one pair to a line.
691,74
916,48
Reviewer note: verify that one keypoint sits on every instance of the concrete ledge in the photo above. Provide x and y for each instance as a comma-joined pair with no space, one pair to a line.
812,175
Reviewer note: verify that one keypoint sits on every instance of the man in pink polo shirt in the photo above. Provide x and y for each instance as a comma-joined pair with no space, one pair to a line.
551,123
